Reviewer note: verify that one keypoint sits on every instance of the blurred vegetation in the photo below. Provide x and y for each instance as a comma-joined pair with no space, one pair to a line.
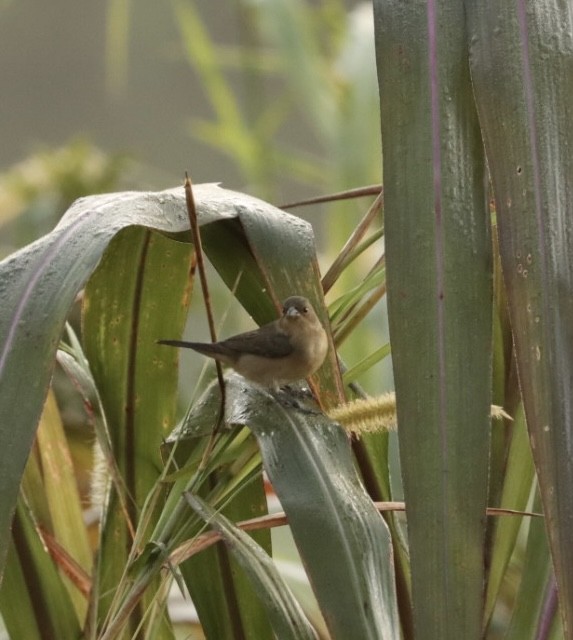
257,103
35,192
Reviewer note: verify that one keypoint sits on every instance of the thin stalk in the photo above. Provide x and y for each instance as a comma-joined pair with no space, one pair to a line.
360,192
192,213
341,261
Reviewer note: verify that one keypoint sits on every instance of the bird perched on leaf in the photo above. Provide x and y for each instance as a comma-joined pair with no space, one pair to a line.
284,351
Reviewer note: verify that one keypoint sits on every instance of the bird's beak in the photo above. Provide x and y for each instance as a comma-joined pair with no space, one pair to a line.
292,312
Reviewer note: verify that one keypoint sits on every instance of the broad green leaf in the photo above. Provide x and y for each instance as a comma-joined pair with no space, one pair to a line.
521,55
287,618
309,463
39,283
371,452
138,292
439,265
37,288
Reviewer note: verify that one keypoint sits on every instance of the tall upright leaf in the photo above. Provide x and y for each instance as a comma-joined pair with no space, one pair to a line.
138,292
438,252
521,64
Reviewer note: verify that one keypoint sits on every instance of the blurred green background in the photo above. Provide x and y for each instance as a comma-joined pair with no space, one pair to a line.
70,69
123,75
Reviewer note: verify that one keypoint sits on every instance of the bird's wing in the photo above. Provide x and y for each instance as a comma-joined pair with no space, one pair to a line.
265,341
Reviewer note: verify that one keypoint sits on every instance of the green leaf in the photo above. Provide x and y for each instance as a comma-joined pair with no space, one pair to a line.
523,81
438,259
536,581
287,24
286,616
39,284
226,601
138,293
365,364
343,541
519,476
62,496
34,602
231,131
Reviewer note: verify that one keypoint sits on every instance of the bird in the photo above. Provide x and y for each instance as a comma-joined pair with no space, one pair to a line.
279,353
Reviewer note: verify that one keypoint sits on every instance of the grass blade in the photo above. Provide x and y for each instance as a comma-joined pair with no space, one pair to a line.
287,618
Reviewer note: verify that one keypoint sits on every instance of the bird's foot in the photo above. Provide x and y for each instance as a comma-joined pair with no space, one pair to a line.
298,391
290,397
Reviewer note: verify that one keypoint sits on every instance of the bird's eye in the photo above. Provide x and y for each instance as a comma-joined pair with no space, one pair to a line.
305,309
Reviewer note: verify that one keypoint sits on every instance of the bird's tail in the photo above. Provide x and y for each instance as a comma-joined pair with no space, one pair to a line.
205,348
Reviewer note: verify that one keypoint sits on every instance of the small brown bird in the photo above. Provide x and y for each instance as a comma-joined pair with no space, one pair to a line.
284,351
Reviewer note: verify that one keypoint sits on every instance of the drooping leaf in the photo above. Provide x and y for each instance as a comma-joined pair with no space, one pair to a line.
39,283
308,460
